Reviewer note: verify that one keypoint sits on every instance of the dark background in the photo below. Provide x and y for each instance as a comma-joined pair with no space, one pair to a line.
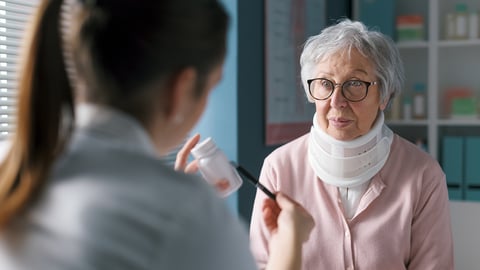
251,88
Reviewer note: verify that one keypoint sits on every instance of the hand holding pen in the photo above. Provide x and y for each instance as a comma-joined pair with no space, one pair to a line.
282,212
254,181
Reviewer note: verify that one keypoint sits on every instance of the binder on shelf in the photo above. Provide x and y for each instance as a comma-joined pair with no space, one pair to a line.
455,193
472,157
452,159
472,194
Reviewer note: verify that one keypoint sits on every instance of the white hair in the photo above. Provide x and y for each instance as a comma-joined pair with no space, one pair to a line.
348,35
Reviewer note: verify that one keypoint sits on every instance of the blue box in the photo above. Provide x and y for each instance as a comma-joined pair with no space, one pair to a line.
452,159
378,14
472,160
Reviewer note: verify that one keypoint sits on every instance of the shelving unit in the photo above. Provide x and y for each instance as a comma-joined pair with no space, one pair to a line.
439,64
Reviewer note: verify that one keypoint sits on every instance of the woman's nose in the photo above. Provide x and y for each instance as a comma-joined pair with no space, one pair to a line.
337,100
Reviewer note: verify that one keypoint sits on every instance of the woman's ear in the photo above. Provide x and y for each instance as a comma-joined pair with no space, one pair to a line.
384,103
181,86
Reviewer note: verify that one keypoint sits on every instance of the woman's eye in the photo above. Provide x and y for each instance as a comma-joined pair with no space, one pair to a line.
326,84
355,83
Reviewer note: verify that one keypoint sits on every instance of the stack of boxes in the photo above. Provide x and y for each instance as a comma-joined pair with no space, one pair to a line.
410,28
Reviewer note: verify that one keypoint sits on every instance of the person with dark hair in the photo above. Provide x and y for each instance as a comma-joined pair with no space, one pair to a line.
107,87
379,202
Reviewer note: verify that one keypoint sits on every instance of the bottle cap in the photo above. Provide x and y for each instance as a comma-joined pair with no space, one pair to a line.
205,148
461,7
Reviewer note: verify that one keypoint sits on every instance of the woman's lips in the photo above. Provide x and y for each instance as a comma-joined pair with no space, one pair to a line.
339,122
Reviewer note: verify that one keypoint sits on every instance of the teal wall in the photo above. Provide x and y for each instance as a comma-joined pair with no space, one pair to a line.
219,120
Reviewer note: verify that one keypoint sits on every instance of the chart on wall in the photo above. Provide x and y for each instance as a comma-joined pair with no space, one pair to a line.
288,23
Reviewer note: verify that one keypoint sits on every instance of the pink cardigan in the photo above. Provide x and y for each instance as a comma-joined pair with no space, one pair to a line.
402,221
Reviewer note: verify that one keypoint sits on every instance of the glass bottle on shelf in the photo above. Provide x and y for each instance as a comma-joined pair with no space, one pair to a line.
450,26
419,111
394,112
473,25
461,21
407,108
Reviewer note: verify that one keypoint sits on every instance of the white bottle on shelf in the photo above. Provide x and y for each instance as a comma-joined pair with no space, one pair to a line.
419,111
461,21
450,26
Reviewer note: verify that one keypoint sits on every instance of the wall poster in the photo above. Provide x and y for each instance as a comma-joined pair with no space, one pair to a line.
288,23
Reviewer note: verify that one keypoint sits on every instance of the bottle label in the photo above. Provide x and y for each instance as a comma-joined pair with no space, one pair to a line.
461,26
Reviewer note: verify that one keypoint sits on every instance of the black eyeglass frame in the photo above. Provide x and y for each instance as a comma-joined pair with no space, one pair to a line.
309,82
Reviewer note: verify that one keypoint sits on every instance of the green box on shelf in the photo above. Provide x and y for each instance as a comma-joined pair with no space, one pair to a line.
464,107
409,34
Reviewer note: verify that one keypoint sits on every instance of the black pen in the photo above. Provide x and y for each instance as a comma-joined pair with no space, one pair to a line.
254,181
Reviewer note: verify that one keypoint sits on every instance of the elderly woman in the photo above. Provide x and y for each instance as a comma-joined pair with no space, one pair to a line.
378,201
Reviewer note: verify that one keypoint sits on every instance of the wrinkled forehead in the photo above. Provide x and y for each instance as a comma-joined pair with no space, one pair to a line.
345,60
347,53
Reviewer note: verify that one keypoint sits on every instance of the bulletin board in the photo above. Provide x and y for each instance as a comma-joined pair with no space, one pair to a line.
288,23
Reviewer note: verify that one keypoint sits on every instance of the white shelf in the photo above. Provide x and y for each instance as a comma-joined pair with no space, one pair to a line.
412,44
407,122
459,43
440,64
459,122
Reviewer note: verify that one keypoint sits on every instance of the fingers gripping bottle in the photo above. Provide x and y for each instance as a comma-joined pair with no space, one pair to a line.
216,168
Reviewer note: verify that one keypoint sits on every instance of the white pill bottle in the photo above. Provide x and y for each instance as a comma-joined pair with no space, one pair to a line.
216,168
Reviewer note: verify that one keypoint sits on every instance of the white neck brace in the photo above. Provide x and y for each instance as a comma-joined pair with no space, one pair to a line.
349,163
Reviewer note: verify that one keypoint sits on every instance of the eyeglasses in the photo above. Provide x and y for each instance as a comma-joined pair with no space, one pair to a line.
352,90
